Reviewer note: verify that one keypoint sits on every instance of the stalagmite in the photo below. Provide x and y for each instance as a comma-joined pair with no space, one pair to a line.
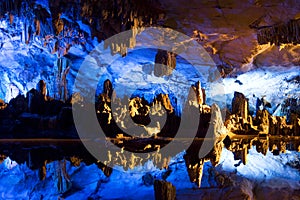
42,88
240,105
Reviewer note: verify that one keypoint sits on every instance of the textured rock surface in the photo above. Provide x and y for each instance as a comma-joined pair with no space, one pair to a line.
225,28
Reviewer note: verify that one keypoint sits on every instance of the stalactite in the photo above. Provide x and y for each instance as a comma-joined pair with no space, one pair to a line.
282,33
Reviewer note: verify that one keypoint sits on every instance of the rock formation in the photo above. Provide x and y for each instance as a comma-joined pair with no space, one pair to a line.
35,116
211,124
240,106
231,43
262,131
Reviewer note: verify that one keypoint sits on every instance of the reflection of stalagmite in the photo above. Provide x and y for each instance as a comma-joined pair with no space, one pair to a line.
195,171
211,124
62,177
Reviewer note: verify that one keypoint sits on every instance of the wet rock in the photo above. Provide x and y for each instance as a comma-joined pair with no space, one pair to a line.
166,174
2,158
262,104
267,192
218,132
237,193
217,121
53,107
41,13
